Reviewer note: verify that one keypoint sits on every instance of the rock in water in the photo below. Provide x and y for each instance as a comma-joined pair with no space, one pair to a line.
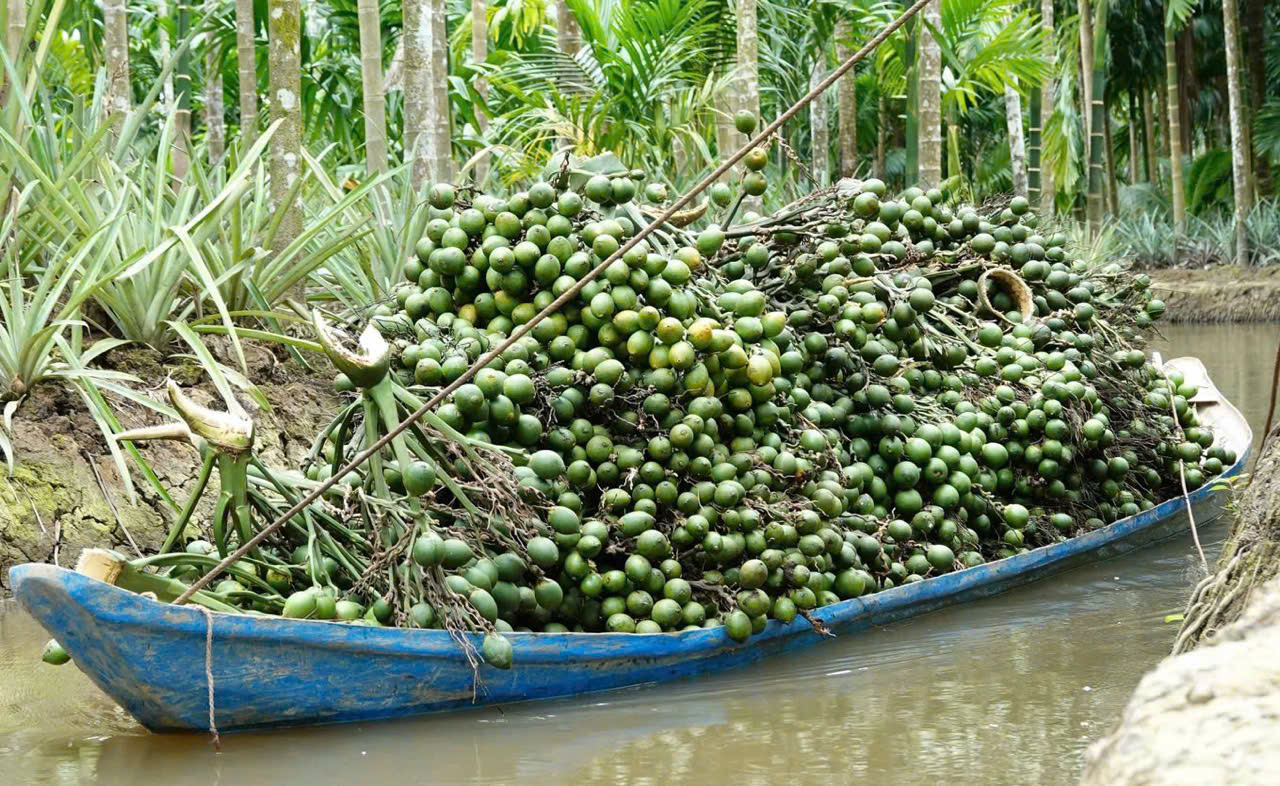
1209,716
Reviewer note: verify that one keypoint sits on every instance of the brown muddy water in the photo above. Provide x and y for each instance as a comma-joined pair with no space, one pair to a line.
1008,690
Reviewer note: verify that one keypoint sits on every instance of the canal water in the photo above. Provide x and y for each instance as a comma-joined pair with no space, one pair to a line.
1007,690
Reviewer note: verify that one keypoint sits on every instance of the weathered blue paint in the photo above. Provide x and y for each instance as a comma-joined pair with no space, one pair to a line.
150,656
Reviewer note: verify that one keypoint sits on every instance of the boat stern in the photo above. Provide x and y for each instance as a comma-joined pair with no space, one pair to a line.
89,619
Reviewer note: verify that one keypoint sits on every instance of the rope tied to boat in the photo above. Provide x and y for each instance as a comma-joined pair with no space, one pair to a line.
1182,472
568,295
208,674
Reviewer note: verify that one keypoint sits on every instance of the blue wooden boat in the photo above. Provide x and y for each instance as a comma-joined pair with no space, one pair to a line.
151,656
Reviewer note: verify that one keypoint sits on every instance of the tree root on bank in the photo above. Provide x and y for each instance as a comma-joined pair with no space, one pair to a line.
1249,559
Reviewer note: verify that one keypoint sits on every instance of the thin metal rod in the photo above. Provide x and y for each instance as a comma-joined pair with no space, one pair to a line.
559,302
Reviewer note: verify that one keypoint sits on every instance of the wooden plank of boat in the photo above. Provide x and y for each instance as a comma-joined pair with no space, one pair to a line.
268,671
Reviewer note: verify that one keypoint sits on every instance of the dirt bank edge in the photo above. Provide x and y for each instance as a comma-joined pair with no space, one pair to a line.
65,493
1227,293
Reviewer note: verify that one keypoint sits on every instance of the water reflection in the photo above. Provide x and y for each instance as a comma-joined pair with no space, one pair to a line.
1005,690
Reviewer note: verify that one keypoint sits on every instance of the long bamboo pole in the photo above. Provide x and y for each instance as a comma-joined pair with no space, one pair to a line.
555,305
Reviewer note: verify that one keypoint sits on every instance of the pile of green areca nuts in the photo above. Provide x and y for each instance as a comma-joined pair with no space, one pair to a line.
732,424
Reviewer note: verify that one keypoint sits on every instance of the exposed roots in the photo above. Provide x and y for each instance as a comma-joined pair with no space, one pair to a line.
1250,558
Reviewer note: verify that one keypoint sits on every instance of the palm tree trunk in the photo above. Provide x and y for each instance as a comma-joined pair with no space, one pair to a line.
569,41
568,34
1095,204
441,118
911,115
1149,136
819,127
1047,99
725,106
215,122
1033,148
1255,35
1109,148
952,126
15,34
247,66
1086,71
1187,87
480,53
1017,150
1239,152
1133,138
162,33
115,44
930,97
1162,107
882,132
748,76
1175,127
181,155
847,106
425,121
375,99
1092,87
284,74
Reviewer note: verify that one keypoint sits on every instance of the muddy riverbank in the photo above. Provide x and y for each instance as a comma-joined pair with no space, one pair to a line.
1226,293
66,494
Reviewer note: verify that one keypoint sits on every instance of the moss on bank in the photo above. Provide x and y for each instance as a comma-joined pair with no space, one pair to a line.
65,493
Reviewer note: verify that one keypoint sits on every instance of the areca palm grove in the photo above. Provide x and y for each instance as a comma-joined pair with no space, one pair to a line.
652,81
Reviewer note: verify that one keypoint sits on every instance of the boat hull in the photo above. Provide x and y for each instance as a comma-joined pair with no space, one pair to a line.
268,671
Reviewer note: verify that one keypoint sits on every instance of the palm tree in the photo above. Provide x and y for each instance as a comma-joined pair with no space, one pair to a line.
985,45
1043,173
247,66
1255,35
214,111
847,102
15,33
1239,149
929,97
747,81
115,42
568,34
426,117
646,82
819,127
1017,150
181,156
284,73
1093,81
375,115
1176,13
480,53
